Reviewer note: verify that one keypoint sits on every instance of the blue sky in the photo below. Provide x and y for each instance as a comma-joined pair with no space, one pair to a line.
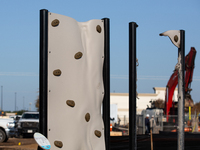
19,42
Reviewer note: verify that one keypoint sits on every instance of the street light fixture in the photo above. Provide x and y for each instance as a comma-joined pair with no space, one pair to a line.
178,39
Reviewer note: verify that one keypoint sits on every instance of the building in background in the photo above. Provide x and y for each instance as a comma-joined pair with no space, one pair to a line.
143,101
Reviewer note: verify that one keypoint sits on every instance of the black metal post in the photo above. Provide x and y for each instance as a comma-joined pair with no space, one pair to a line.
132,86
43,71
106,80
181,91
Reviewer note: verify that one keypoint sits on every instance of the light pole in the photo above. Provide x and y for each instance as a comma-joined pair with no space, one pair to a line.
1,98
30,106
178,39
15,101
23,103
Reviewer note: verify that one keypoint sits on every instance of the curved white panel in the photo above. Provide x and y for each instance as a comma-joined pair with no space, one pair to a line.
81,81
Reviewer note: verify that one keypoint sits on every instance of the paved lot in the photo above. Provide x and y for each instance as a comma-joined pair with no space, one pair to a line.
19,144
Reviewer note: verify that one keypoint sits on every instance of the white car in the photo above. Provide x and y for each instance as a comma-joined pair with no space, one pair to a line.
28,124
7,129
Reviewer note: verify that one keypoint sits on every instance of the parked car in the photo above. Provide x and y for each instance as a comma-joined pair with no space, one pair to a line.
7,129
15,117
28,124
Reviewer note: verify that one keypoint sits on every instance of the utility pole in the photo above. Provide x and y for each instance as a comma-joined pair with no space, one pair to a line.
23,103
1,98
30,106
15,101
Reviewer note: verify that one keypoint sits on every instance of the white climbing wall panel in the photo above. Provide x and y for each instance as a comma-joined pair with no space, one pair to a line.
75,83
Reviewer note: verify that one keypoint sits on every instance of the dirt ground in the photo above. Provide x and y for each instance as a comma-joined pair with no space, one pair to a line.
19,144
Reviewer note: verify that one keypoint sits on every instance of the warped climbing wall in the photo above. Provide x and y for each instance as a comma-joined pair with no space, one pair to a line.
75,83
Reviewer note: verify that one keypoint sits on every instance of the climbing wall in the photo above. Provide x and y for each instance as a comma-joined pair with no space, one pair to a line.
75,83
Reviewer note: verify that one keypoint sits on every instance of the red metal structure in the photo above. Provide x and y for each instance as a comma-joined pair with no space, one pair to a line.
173,81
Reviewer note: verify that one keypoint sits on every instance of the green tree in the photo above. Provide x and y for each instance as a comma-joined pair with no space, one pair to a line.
20,112
37,103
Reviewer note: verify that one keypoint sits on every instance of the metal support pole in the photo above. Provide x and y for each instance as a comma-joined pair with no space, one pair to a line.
132,86
43,71
181,90
106,80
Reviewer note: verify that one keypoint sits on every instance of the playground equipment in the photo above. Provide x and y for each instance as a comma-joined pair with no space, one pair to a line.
75,78
72,58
